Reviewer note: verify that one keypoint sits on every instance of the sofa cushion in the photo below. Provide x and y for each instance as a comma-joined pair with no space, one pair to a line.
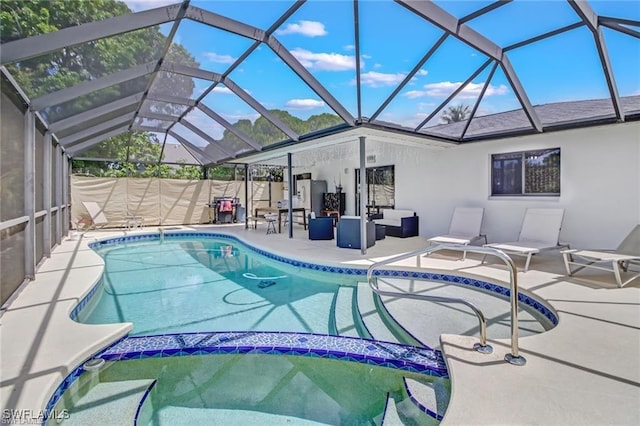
391,217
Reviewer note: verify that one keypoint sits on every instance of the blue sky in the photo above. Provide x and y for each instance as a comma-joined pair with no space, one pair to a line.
320,35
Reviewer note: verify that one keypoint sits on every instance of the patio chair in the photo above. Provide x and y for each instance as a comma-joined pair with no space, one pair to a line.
608,260
98,219
464,228
540,231
320,228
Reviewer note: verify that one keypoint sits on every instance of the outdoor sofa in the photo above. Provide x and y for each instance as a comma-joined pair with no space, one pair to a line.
398,223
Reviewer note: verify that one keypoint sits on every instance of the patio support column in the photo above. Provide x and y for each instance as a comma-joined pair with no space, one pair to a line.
46,193
363,177
290,177
29,194
58,167
65,194
246,197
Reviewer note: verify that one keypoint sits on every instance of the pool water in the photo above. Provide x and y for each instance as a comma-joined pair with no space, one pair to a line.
252,389
210,285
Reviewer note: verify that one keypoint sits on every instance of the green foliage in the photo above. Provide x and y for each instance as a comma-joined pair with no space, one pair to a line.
265,133
73,65
88,61
221,173
456,113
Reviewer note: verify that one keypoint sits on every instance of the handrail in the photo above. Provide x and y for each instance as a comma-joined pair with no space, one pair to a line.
513,357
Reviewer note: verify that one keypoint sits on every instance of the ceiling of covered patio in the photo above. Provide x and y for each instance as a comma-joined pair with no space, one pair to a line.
236,81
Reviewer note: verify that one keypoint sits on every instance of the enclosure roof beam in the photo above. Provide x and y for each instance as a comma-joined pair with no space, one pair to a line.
171,99
93,141
520,93
219,78
214,145
206,137
288,13
189,146
449,23
100,128
545,35
152,129
220,120
590,18
50,42
484,10
258,107
222,22
165,50
106,109
90,86
176,68
409,76
621,28
157,116
309,79
454,94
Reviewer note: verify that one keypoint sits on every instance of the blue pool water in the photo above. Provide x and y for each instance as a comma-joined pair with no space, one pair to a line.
187,285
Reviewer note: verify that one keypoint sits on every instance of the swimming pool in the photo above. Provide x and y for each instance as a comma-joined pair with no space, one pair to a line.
212,284
197,299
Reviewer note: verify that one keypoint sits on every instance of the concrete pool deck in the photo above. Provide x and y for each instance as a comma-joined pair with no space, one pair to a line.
584,371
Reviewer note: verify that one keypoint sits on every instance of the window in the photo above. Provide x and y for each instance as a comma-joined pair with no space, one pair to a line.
526,173
380,188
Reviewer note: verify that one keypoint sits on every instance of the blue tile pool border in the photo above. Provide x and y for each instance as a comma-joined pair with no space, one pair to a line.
525,299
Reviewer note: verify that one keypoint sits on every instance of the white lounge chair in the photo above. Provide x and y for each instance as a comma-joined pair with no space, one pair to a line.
540,231
464,228
608,260
96,213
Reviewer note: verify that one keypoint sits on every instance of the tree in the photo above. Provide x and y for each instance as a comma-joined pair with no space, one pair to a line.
76,64
456,113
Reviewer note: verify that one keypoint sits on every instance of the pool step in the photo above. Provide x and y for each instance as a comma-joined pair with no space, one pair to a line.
347,321
378,321
403,413
431,398
371,318
109,403
209,416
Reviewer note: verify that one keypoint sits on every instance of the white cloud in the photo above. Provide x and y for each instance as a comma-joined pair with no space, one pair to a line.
377,65
222,89
305,28
422,72
220,59
445,88
364,56
379,79
324,61
138,5
304,103
349,47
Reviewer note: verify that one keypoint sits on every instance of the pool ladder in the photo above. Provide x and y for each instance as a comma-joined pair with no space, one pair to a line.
514,357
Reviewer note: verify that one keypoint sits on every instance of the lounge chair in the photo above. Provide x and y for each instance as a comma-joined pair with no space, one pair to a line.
96,213
608,260
464,228
540,231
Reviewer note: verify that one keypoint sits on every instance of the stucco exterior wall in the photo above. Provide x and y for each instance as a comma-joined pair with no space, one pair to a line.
600,186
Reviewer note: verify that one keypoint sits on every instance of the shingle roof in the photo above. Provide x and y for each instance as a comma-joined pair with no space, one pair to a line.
551,115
